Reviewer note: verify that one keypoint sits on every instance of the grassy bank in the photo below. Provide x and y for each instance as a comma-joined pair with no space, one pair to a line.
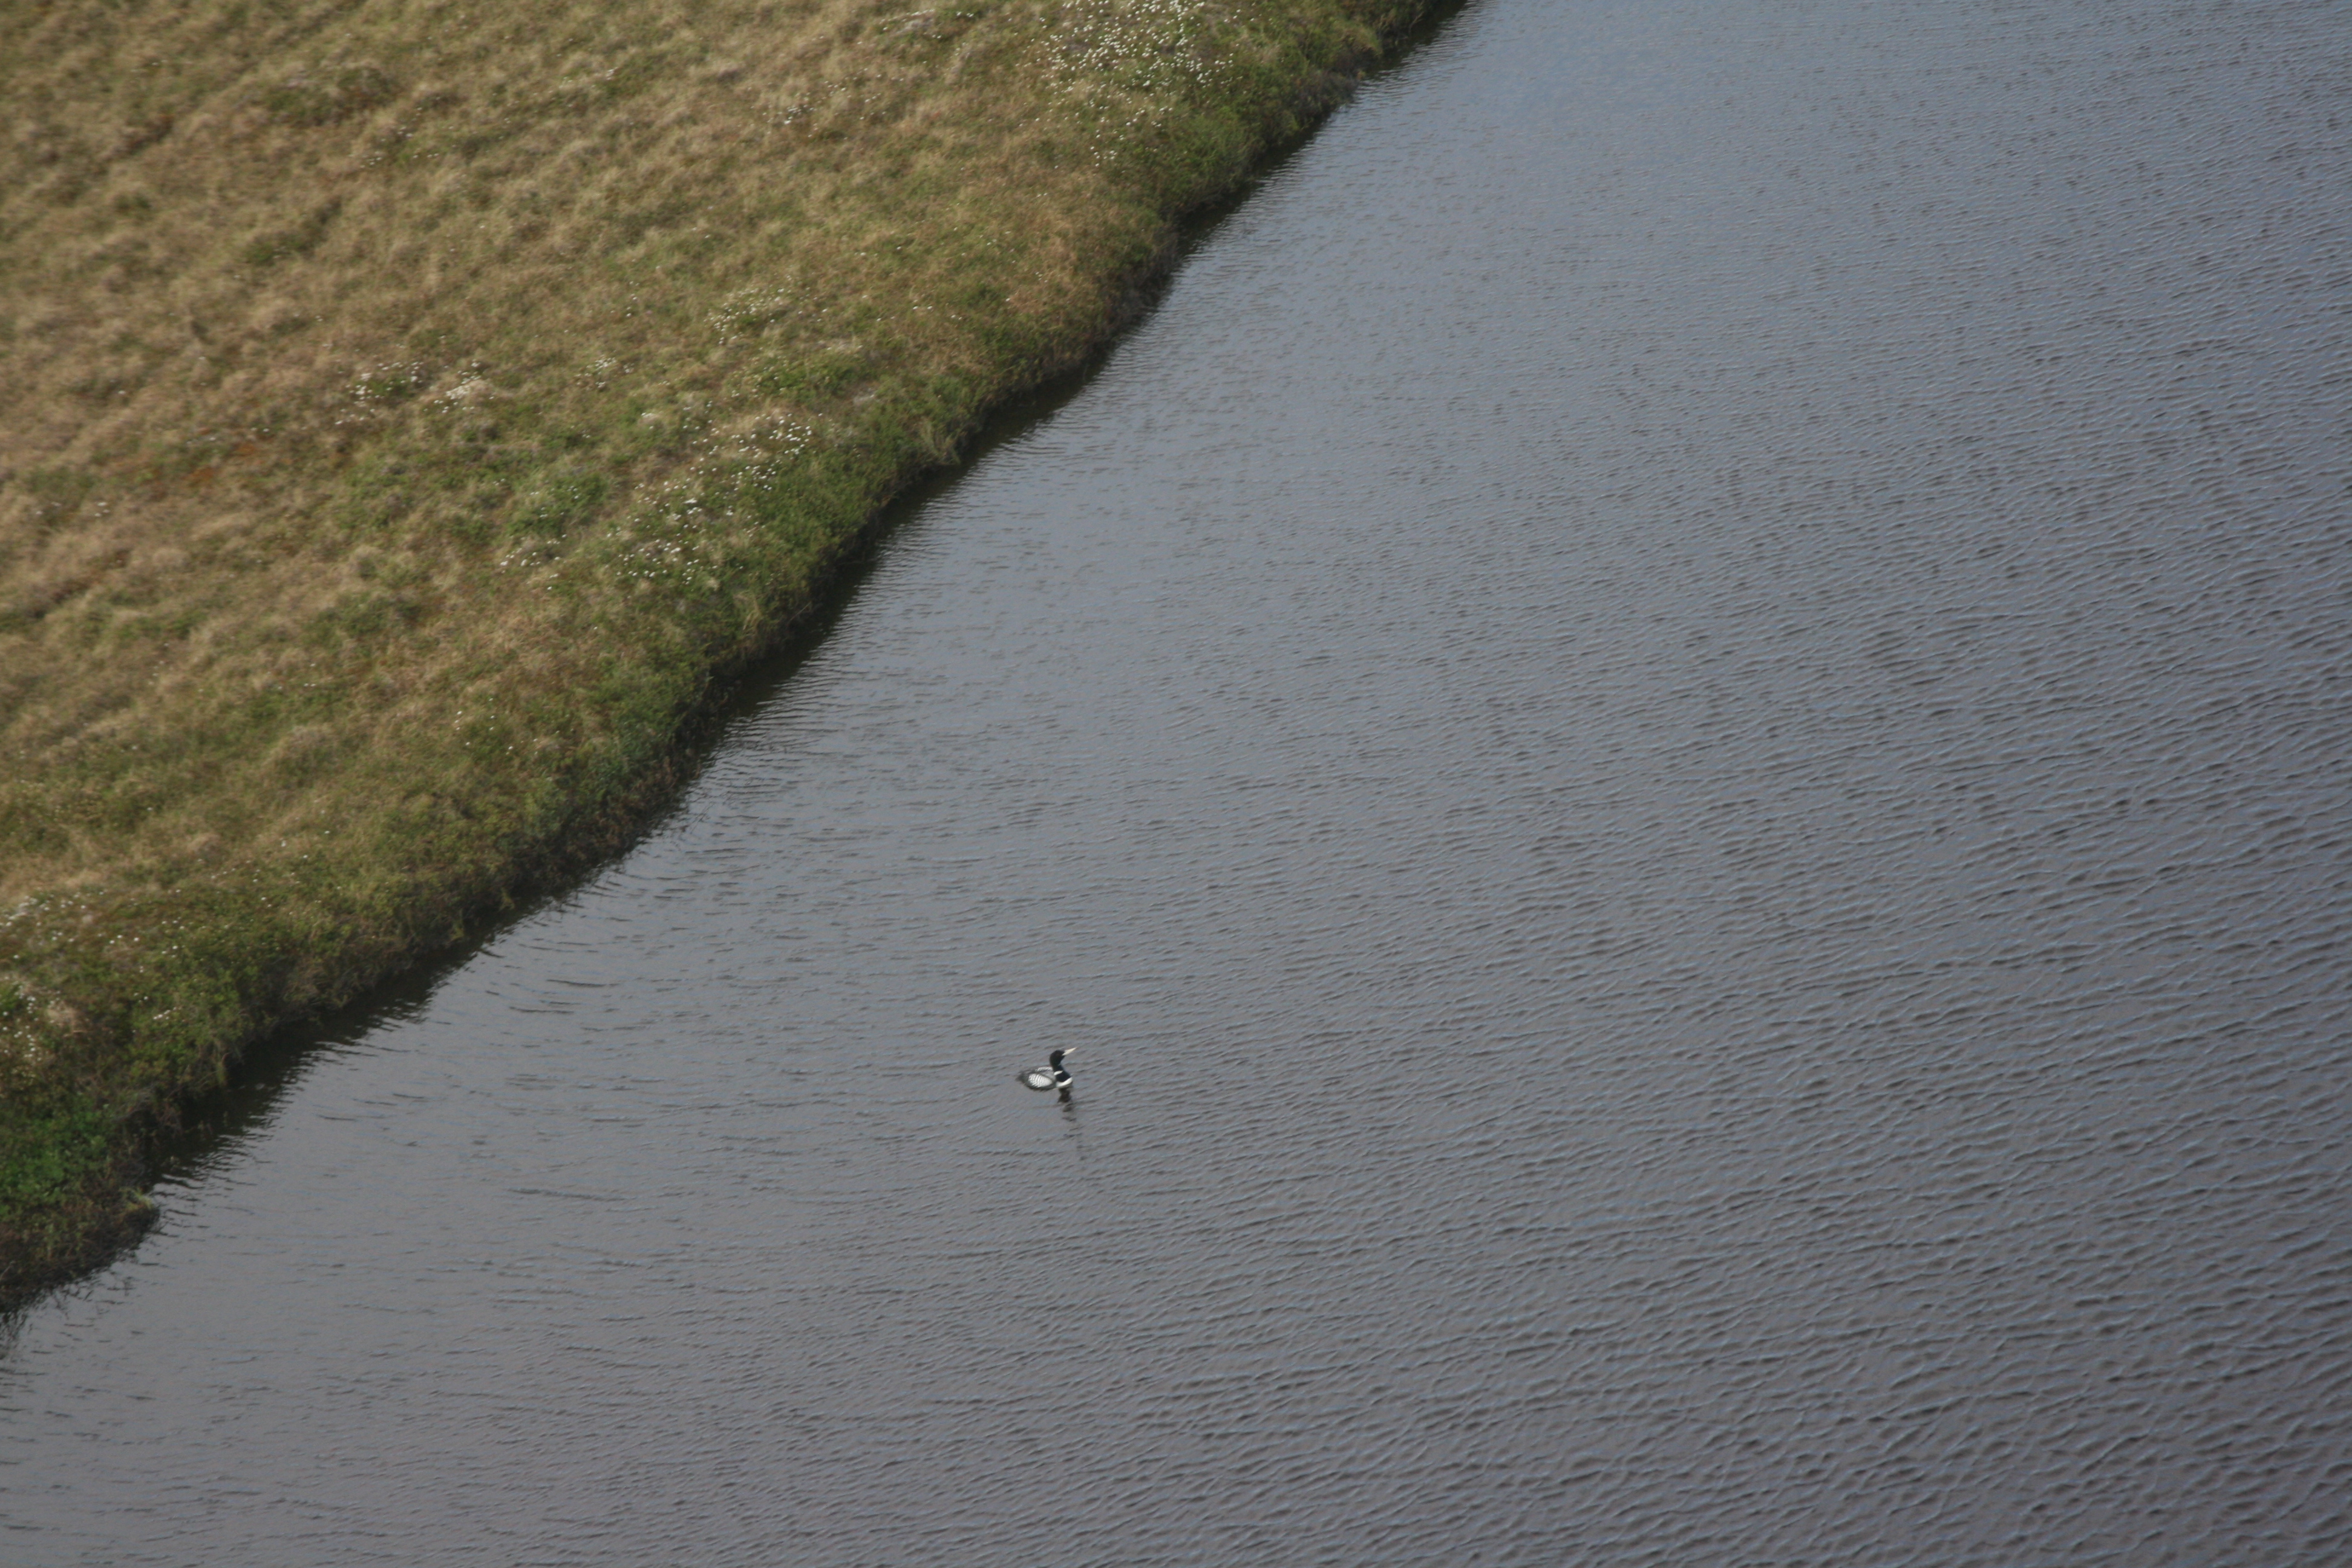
411,417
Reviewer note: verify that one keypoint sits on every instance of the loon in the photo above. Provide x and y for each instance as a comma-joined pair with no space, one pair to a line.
1053,1076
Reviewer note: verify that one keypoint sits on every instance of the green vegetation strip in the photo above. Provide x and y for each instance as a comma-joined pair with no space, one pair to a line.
414,413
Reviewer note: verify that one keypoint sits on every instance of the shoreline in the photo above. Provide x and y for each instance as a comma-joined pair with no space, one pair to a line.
120,1014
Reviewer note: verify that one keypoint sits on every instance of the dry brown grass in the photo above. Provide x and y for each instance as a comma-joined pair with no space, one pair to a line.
407,410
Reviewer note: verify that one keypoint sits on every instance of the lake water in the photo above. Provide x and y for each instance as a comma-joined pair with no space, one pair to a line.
1674,744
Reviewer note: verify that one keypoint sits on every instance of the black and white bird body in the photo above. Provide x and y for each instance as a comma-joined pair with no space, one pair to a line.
1054,1077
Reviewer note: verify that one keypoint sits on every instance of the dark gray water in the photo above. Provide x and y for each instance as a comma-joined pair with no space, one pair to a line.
1675,744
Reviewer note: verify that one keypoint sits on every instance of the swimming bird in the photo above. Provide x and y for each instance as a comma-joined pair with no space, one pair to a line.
1053,1076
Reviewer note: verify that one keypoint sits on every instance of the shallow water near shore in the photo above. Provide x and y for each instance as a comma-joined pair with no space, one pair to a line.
1672,744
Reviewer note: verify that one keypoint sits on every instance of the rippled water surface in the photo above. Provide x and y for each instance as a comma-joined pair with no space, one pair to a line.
1673,742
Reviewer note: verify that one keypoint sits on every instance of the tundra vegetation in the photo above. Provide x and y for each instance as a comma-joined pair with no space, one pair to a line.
414,410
